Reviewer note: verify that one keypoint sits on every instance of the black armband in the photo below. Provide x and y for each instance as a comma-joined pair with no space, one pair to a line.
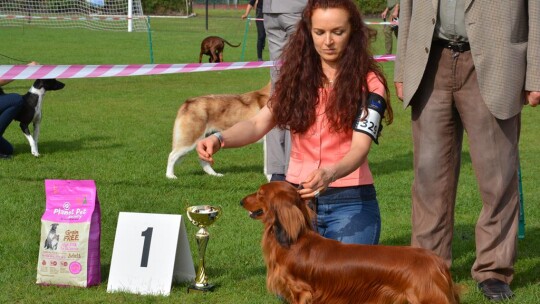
370,123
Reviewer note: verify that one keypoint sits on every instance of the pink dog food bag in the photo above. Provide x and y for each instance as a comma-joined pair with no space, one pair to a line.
69,251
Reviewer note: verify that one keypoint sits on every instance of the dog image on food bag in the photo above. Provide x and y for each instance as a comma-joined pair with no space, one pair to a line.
51,242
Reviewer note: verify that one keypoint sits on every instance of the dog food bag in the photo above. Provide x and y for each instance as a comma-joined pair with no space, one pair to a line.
69,251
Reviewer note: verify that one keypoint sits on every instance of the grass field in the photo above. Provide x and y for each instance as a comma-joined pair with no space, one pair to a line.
117,131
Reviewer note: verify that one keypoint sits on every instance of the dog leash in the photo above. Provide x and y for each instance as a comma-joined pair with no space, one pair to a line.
312,204
15,59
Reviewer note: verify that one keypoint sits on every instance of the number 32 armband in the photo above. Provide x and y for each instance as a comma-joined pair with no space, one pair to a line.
370,123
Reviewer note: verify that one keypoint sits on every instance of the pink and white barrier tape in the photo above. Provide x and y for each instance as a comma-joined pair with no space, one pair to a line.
94,71
383,23
367,22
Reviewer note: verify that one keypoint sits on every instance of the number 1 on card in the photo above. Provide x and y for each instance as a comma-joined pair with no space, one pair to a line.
147,234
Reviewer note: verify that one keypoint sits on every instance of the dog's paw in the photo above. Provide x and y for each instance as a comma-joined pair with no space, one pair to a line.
216,174
171,176
36,154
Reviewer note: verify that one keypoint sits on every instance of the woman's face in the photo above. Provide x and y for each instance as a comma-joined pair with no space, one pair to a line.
330,31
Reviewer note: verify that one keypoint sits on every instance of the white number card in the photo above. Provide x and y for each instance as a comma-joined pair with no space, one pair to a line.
150,250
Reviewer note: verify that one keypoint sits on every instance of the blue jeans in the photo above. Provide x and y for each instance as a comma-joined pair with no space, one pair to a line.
10,105
349,215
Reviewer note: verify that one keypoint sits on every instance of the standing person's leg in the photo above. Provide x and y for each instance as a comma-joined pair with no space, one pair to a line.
261,34
278,141
276,41
388,39
10,105
494,155
437,138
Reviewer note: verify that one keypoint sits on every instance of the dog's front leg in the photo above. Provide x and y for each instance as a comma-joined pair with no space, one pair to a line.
26,132
302,293
34,147
208,168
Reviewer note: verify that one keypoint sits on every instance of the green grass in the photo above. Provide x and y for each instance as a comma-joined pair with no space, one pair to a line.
117,131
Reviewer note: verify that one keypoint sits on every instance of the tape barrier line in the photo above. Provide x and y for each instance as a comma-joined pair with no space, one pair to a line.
108,18
367,22
95,71
383,23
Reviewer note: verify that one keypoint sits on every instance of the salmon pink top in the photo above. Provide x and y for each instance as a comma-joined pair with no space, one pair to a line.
319,147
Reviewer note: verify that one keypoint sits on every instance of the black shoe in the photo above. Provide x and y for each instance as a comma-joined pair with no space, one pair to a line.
5,156
495,290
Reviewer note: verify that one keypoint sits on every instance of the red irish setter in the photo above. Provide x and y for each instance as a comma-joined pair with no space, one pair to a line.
304,267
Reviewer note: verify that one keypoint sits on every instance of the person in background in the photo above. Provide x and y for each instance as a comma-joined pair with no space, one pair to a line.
280,19
468,65
392,11
10,105
333,100
261,33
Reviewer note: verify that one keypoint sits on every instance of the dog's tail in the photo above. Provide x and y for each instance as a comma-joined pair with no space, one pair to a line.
227,42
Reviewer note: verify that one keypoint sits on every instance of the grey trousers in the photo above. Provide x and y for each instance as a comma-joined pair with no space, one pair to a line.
277,143
389,31
447,103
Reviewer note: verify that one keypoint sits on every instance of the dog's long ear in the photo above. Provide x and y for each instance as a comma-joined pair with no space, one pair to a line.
289,221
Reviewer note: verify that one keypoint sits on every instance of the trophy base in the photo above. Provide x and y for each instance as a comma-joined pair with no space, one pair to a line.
200,288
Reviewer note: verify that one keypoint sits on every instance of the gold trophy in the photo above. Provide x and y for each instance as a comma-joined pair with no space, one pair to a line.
202,216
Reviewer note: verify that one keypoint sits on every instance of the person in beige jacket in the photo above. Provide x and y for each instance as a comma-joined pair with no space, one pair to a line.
468,65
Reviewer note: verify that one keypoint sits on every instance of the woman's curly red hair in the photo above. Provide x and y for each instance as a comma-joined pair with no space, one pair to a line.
296,95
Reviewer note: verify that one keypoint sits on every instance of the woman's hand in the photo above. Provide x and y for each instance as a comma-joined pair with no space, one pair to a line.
317,182
208,147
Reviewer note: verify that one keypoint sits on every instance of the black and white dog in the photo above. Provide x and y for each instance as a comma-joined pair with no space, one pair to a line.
31,111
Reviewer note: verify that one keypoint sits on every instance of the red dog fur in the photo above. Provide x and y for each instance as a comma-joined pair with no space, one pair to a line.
304,267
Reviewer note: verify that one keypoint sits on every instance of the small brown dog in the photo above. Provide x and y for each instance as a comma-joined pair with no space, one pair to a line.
213,46
304,267
203,115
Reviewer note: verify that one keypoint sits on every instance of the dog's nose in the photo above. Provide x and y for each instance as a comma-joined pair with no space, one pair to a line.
241,202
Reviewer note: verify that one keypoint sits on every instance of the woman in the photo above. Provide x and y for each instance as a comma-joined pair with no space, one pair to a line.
332,99
10,105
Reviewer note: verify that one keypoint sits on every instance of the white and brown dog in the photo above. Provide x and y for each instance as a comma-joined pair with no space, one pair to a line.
203,115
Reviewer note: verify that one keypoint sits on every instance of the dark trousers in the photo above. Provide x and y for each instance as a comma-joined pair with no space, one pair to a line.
261,33
10,105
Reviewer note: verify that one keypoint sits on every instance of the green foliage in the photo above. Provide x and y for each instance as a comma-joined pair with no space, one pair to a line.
371,7
165,7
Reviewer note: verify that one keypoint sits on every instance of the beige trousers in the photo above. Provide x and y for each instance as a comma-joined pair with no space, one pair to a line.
447,103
